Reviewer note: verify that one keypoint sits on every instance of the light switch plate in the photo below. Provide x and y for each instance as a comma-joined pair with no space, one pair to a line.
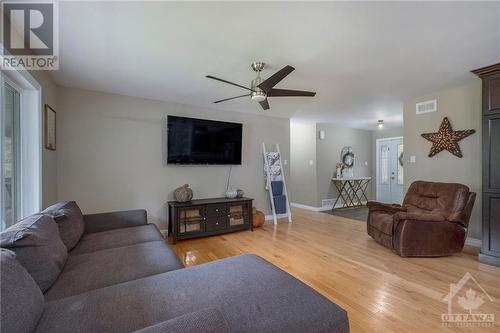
413,159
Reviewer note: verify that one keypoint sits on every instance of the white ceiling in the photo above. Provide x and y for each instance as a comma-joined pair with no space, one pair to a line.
363,59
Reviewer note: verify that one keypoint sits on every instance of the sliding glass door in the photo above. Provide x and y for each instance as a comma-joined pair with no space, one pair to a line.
10,155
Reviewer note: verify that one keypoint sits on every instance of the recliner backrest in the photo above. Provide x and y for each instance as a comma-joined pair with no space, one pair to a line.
448,199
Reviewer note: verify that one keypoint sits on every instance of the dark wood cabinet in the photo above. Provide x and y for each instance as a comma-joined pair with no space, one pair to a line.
491,94
491,152
490,250
491,211
207,217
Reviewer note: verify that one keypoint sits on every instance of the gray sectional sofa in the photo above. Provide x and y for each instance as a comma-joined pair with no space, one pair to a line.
62,271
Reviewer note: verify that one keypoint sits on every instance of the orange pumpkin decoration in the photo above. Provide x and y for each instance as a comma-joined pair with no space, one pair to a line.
258,218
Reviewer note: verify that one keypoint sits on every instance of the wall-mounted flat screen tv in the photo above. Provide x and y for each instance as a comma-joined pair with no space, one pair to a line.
200,141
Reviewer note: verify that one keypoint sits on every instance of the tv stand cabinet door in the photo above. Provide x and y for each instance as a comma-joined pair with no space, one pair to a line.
239,214
190,221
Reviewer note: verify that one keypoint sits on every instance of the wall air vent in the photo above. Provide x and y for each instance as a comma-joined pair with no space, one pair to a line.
426,107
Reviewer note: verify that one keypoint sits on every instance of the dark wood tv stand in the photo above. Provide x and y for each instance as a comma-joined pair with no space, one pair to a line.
208,217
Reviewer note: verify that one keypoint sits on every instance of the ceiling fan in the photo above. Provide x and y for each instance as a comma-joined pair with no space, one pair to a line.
261,89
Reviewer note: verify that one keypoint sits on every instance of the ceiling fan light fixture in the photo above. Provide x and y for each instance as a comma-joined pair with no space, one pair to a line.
380,124
258,96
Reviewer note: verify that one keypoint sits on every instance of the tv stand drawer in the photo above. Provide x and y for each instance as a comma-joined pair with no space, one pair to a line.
216,210
216,223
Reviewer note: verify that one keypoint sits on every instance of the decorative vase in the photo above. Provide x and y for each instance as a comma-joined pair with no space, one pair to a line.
183,193
240,193
258,218
231,193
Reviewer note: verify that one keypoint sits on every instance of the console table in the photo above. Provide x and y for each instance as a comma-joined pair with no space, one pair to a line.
207,217
352,191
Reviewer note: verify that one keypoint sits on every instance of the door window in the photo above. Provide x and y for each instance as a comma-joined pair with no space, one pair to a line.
384,164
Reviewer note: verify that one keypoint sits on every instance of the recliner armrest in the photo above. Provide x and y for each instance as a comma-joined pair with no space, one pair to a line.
424,217
114,220
374,206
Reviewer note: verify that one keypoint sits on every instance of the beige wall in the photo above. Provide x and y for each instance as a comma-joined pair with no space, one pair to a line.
49,157
328,154
462,106
311,183
111,153
303,186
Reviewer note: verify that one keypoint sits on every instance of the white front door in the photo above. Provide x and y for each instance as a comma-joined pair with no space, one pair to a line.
390,170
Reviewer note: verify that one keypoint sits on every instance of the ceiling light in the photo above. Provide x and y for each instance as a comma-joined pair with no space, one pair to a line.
381,124
258,96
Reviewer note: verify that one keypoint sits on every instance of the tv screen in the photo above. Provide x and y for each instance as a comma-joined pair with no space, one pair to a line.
200,141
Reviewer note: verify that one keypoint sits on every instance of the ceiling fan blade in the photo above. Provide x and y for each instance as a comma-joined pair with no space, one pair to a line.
275,78
225,81
230,98
264,104
288,92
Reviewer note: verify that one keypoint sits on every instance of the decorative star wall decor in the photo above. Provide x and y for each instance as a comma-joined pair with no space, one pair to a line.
447,138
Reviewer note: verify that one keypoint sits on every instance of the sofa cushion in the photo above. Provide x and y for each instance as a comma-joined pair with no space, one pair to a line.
21,304
38,247
203,321
252,295
116,238
69,219
89,271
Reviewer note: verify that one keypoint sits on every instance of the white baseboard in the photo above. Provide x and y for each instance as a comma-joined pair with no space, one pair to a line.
474,242
318,209
312,208
279,216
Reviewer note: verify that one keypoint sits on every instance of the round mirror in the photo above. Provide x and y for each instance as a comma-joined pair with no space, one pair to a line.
348,159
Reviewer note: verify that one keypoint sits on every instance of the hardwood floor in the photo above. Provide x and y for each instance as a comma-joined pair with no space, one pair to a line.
381,291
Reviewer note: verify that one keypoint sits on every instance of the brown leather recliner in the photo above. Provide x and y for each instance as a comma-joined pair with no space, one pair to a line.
432,221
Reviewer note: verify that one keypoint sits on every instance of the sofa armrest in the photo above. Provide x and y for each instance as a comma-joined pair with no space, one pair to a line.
374,206
202,321
114,220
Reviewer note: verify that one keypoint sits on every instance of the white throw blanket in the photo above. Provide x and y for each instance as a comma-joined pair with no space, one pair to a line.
274,163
